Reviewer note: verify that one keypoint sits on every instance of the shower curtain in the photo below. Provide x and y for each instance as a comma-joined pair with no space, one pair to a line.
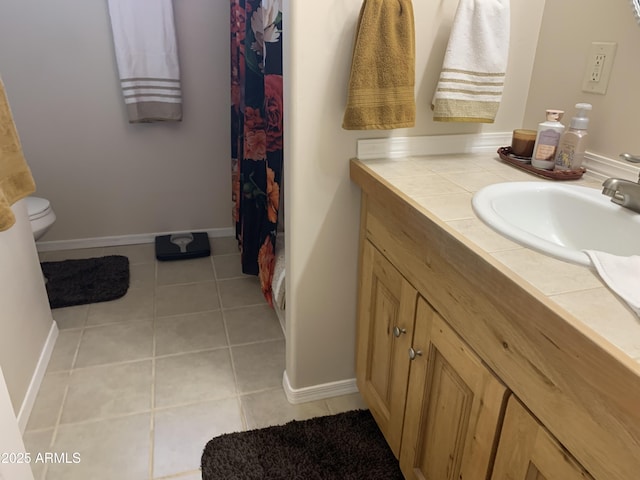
256,132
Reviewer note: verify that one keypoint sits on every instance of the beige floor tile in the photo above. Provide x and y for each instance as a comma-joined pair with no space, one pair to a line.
240,292
190,298
182,433
259,366
194,270
115,343
117,448
64,350
112,375
61,255
346,403
99,392
227,266
48,401
223,245
269,408
141,253
193,377
188,333
136,305
38,443
70,317
142,275
195,475
252,324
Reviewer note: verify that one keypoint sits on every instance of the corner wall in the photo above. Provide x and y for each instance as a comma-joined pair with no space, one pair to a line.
323,205
10,440
25,317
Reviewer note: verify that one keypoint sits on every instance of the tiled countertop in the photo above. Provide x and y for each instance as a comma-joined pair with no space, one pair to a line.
444,185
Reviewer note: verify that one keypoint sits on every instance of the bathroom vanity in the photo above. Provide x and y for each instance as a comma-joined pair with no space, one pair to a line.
474,364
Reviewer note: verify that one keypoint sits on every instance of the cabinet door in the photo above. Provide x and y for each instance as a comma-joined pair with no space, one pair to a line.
528,452
385,322
454,406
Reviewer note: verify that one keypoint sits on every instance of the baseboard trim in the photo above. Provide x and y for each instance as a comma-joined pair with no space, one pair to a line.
317,392
398,147
36,379
118,240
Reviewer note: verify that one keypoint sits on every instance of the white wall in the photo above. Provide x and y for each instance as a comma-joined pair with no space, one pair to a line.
568,29
105,177
323,204
10,440
25,317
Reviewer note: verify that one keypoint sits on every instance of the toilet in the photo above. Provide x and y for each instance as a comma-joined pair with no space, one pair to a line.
41,216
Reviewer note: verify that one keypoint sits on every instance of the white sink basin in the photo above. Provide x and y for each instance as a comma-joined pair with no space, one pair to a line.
558,219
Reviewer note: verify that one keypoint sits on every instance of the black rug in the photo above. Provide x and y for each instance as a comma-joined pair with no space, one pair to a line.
90,280
347,446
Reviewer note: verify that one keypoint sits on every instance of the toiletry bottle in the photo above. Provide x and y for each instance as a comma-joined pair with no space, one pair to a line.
549,132
573,142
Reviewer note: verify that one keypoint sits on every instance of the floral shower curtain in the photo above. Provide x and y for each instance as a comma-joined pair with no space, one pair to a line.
256,132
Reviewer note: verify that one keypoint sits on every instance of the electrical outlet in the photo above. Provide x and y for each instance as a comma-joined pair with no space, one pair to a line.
599,65
596,69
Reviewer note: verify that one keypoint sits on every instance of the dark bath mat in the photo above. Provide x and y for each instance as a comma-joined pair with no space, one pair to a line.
90,280
347,446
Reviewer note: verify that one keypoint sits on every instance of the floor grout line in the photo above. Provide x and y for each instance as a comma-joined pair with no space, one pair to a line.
151,410
152,416
166,355
243,418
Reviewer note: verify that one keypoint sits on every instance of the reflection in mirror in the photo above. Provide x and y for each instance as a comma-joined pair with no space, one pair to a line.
636,9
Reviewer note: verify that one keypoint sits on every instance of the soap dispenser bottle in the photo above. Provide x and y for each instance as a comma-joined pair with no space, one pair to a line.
549,132
573,142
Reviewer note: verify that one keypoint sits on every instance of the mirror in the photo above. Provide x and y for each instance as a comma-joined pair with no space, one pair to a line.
636,9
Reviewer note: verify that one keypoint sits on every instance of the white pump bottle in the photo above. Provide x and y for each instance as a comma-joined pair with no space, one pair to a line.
572,144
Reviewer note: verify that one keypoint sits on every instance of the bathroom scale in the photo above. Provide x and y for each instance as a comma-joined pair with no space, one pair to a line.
180,246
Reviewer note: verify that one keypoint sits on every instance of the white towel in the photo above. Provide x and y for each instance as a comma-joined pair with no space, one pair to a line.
475,63
147,55
621,274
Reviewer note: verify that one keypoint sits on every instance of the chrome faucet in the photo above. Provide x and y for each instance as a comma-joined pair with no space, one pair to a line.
623,192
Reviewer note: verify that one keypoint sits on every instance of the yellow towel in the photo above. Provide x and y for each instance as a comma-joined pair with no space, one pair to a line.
16,181
381,86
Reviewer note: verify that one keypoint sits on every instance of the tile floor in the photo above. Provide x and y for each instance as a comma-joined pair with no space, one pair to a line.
137,386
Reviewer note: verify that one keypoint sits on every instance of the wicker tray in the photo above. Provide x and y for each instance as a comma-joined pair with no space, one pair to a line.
504,153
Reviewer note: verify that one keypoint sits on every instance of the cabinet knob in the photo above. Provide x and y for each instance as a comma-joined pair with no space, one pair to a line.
397,331
414,353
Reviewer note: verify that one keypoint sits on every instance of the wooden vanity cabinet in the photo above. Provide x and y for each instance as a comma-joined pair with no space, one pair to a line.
384,334
437,405
454,406
527,451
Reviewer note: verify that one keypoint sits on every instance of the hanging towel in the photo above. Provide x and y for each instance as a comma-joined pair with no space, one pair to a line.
16,181
381,86
475,63
147,57
621,274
